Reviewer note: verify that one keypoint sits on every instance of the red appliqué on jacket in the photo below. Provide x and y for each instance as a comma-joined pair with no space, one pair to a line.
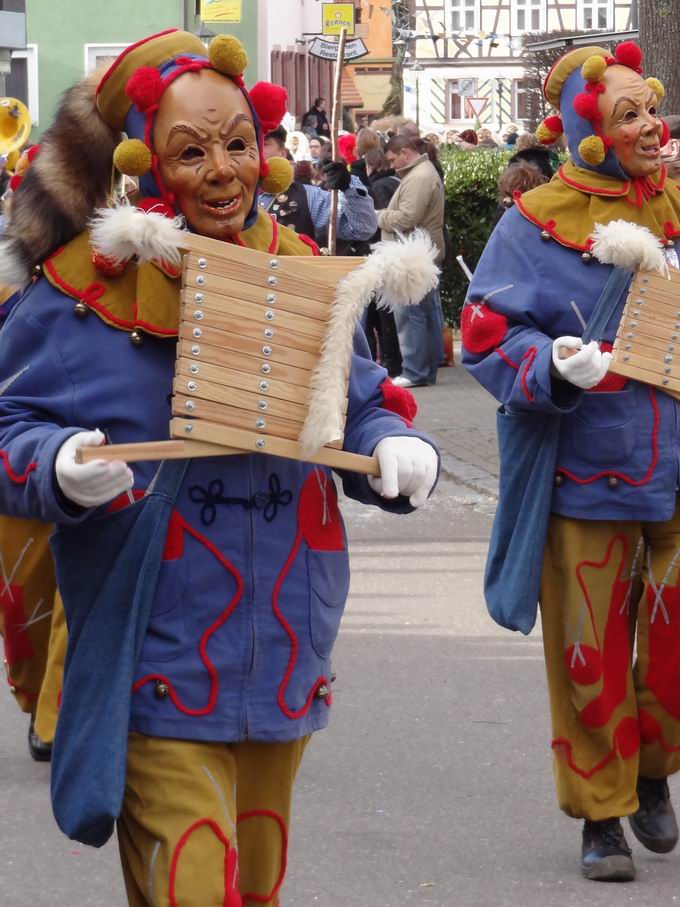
399,400
482,329
18,479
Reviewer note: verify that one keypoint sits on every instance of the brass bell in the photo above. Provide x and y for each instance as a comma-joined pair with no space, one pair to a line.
612,481
323,692
545,236
587,257
558,480
161,691
136,338
80,309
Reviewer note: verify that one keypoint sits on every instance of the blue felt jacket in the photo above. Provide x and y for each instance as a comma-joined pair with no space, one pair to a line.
619,442
255,571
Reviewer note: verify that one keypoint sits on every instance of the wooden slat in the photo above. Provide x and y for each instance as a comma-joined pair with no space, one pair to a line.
199,390
312,307
223,414
630,328
249,347
263,330
648,359
278,447
647,376
142,451
257,311
658,306
305,284
239,380
248,364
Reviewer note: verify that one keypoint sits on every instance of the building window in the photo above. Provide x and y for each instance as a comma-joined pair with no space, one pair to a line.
458,90
101,55
521,105
528,15
595,14
22,82
464,15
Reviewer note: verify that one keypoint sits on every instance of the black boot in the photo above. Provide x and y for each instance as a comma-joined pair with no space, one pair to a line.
39,750
654,823
605,856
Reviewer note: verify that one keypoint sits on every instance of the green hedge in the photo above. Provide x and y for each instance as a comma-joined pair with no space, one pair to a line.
470,179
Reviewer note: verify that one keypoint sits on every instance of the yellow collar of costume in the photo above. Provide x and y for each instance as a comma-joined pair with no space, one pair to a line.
568,207
145,297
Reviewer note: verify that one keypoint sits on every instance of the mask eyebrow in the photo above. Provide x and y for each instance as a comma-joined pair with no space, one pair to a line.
621,100
238,118
185,127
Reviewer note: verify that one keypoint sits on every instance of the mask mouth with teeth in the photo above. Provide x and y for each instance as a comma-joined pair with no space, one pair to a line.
607,111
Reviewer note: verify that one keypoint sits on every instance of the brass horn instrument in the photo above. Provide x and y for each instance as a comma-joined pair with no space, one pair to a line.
15,125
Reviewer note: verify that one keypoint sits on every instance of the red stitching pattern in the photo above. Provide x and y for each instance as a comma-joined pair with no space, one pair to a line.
507,359
292,659
205,638
13,476
92,293
598,565
231,896
636,483
274,245
594,190
563,742
530,355
308,241
269,813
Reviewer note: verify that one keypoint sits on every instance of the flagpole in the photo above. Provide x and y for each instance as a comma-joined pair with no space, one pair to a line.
336,111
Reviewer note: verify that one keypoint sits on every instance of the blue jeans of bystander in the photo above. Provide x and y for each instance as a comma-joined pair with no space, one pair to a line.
419,330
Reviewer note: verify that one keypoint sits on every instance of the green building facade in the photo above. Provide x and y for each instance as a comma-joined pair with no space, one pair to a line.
67,38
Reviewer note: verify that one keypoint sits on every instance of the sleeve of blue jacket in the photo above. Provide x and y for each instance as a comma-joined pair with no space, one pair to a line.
36,417
368,422
507,339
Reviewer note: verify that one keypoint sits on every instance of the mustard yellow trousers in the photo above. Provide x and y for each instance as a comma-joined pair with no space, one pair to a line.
610,608
206,824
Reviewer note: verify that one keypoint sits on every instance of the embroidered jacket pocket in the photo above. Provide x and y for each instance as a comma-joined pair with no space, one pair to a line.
328,573
603,428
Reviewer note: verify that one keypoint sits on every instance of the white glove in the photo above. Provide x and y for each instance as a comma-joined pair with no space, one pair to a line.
585,368
408,466
94,483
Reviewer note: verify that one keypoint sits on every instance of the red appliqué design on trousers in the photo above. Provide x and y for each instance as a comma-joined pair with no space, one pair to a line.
232,898
268,814
663,668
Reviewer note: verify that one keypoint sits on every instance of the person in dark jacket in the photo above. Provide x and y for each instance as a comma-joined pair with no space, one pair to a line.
318,110
381,329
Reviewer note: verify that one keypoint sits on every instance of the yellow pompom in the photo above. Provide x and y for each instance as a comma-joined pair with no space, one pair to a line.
545,136
592,150
594,68
227,55
132,157
656,87
280,176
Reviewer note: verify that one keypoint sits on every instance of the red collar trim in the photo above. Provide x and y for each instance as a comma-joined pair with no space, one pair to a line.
594,190
643,187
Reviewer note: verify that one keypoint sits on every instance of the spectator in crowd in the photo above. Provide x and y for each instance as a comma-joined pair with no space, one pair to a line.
528,148
467,139
670,153
367,139
517,178
380,323
306,208
417,203
297,144
318,110
451,136
509,140
309,124
316,143
432,138
302,173
485,139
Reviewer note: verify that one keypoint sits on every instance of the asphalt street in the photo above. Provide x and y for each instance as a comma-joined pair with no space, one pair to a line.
432,785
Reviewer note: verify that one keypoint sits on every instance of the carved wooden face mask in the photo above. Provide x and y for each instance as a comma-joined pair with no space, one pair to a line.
630,121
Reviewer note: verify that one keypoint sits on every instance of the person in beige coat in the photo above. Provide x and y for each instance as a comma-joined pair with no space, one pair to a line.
417,203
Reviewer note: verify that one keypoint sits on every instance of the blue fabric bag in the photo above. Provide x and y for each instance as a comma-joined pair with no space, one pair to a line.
527,443
107,572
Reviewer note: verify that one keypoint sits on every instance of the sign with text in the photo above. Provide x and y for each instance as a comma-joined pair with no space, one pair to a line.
328,50
221,10
336,16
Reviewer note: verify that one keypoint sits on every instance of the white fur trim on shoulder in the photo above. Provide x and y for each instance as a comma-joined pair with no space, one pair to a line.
15,271
400,273
123,231
629,246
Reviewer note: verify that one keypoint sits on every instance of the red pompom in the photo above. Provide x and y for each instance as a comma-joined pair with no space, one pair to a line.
346,146
15,181
554,124
629,54
155,206
32,153
665,133
144,88
269,102
585,106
